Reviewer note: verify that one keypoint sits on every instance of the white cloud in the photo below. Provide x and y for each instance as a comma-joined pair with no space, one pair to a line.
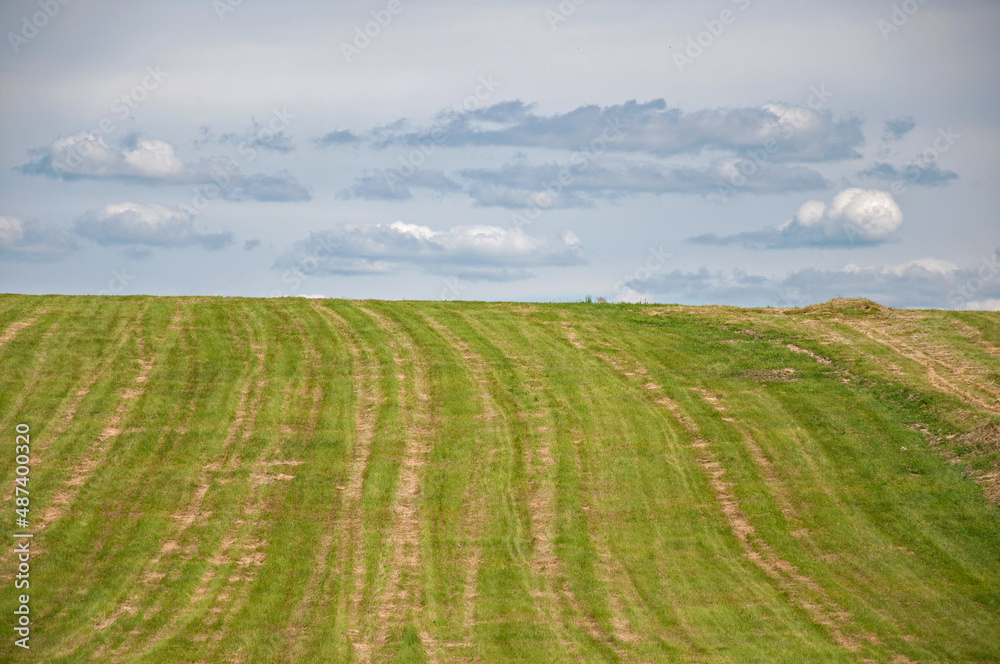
475,252
154,159
924,282
855,217
933,265
32,240
86,155
11,231
147,225
990,304
632,296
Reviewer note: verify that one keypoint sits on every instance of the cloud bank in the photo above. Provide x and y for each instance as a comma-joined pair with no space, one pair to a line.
927,283
477,252
33,241
86,155
800,133
148,226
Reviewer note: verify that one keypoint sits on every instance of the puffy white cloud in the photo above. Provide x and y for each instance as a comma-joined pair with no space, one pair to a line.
475,252
855,217
632,296
146,225
154,159
33,241
11,231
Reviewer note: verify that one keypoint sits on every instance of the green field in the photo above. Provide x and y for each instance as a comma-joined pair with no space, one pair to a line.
292,480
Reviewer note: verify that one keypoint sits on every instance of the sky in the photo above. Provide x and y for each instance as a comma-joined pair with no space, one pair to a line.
744,152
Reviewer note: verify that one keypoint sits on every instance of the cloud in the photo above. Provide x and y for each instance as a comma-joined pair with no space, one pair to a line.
856,217
391,185
146,225
469,252
340,137
926,283
580,183
250,245
86,155
262,138
33,241
925,174
897,128
796,132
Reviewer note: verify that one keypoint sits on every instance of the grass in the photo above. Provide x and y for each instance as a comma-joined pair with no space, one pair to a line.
232,480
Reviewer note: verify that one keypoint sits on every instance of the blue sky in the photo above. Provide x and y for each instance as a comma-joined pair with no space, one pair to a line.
736,151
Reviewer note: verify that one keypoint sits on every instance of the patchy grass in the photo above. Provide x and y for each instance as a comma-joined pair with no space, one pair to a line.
232,480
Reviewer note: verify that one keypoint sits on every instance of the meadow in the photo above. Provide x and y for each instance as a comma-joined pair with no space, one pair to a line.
294,480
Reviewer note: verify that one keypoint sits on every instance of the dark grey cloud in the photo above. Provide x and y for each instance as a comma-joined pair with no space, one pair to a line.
470,252
339,137
927,174
796,133
146,226
33,241
855,217
927,283
87,156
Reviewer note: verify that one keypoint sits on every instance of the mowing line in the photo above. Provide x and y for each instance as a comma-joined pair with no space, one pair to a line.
249,533
13,329
239,429
344,523
927,361
94,456
368,398
399,595
546,564
497,420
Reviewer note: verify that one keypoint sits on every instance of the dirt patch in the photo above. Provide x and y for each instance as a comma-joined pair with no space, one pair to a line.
806,351
786,375
13,329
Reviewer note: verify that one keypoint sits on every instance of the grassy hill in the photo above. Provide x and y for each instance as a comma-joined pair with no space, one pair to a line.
233,480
